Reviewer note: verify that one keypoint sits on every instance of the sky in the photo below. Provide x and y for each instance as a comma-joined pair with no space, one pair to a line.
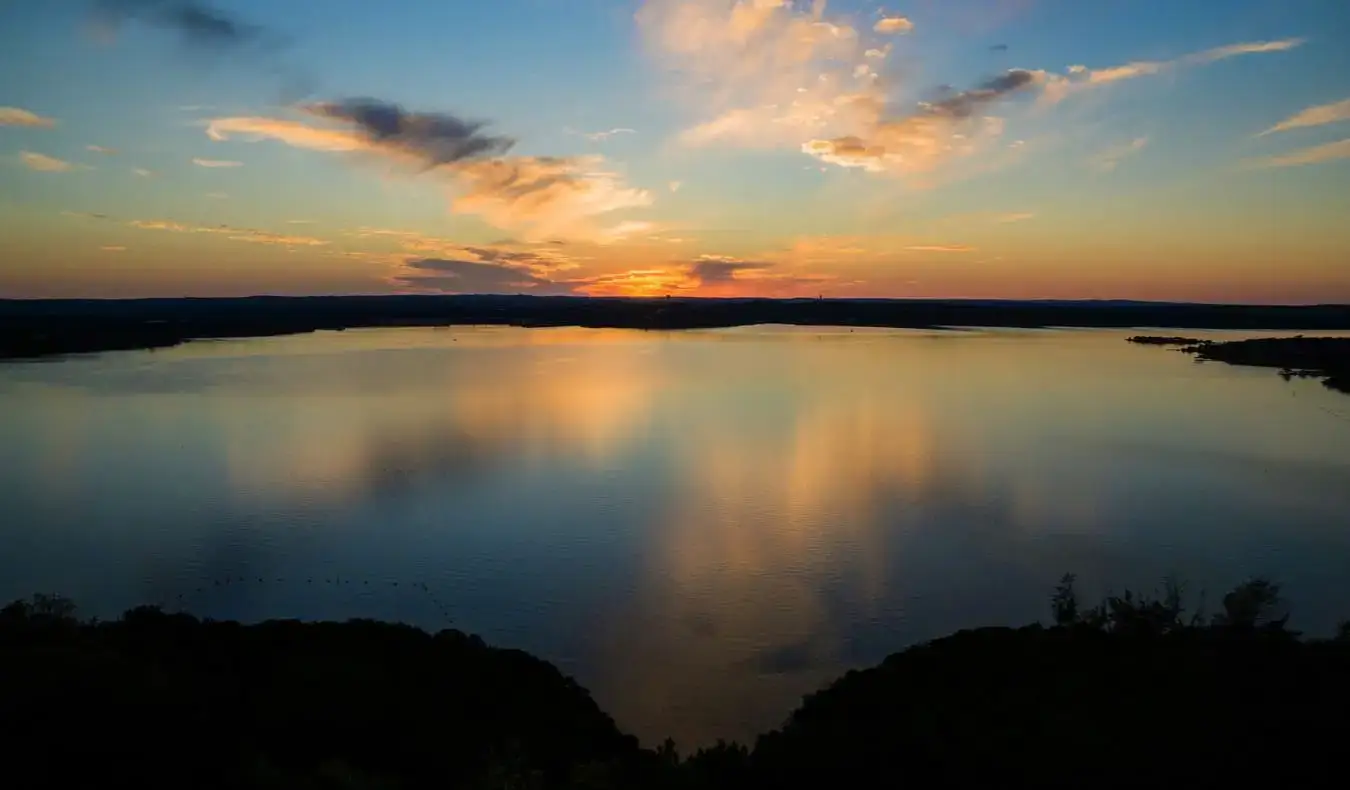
1114,149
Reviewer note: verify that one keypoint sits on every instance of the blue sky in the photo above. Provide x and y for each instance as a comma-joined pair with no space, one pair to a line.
1106,149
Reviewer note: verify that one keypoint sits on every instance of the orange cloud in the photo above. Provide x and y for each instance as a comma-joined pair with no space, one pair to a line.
230,232
540,197
940,248
893,25
770,73
1313,116
1308,156
17,116
1081,78
216,163
45,164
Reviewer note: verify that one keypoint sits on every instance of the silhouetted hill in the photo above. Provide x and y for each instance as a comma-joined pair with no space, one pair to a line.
159,700
43,327
1130,693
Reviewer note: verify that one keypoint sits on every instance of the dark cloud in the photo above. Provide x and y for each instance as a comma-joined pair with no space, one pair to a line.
999,48
196,23
432,138
722,270
205,30
966,103
517,257
475,277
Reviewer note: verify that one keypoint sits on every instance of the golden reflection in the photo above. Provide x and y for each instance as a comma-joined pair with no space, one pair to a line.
737,620
584,397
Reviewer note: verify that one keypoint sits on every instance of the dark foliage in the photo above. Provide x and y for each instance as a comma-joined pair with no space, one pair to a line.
166,700
1131,692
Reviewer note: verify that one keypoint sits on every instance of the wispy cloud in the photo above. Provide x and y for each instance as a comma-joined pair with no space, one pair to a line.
216,162
1110,158
230,232
1107,160
674,186
1081,78
113,248
197,23
473,276
217,195
431,139
1307,156
17,116
98,149
919,142
142,172
1313,116
891,25
789,76
1017,216
542,197
770,74
44,163
940,248
599,137
204,30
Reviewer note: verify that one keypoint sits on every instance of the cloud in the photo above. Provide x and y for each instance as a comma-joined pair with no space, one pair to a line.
44,163
605,135
784,75
1020,216
216,162
1082,78
202,29
432,139
195,23
711,269
1107,160
770,73
892,25
674,186
113,248
545,197
1313,116
292,133
142,172
230,232
463,276
98,149
1307,156
217,195
940,248
921,141
540,259
539,196
17,116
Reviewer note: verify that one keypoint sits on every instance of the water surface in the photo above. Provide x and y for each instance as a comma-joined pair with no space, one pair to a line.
700,526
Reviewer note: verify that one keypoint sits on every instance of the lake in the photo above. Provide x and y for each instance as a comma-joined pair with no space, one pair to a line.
699,526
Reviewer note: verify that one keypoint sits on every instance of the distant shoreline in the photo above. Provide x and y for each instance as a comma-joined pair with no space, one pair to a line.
44,328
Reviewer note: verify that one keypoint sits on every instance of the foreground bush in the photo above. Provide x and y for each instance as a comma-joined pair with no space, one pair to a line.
1134,691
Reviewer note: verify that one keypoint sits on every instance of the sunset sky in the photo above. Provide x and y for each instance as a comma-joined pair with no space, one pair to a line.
1192,150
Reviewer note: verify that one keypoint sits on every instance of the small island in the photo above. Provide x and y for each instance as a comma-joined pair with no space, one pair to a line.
1326,358
1135,691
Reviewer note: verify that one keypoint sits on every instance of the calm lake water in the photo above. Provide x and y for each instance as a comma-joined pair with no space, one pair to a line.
699,526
